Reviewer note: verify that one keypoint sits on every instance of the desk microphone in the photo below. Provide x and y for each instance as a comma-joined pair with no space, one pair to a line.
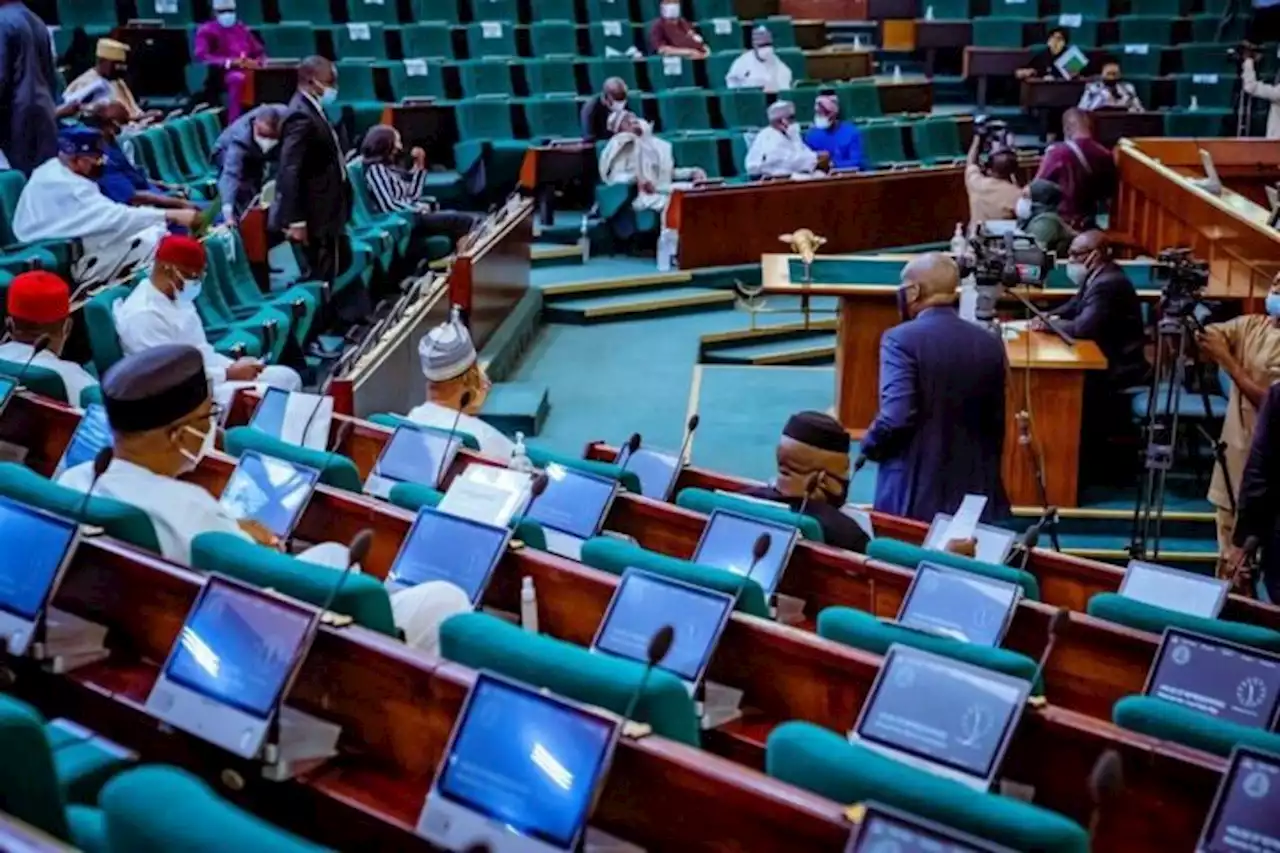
41,344
1106,786
858,465
357,551
101,462
812,485
690,428
463,402
630,448
306,428
1059,618
659,646
758,551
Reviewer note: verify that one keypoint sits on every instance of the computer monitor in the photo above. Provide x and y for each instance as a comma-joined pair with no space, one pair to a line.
91,435
443,547
573,505
962,605
941,715
656,471
285,414
888,830
1245,816
644,602
413,455
41,547
994,543
1174,589
727,541
520,773
1225,680
234,661
270,491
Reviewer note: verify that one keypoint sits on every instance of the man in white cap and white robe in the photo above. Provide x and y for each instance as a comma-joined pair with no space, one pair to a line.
634,155
759,67
778,150
105,82
452,369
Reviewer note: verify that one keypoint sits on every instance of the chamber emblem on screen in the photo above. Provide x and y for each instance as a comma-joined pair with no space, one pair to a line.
929,583
1181,655
904,675
1256,785
1251,692
982,617
974,725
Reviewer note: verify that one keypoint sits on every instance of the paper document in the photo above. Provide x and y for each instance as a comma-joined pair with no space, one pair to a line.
860,517
487,494
310,412
965,522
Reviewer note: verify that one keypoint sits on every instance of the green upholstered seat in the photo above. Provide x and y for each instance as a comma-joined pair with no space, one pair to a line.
39,380
83,761
541,457
909,556
162,809
362,597
1168,721
826,763
100,326
414,496
1147,617
90,395
335,469
615,556
864,631
481,641
119,520
706,502
391,421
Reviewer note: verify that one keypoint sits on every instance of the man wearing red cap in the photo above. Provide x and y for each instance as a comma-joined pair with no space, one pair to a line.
162,310
39,305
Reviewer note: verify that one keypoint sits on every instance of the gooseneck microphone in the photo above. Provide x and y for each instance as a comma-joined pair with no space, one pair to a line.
357,551
101,462
690,428
306,428
463,402
759,549
630,448
41,344
810,487
1059,618
659,646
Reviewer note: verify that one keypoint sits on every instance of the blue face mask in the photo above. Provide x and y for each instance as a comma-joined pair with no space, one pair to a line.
190,291
1272,304
328,95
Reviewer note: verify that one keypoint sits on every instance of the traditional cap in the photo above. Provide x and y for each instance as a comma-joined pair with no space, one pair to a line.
761,36
79,139
781,109
447,351
39,297
422,609
827,105
116,51
818,430
181,251
154,388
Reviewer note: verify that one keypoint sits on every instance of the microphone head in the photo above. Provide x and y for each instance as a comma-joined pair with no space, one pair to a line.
103,461
299,310
633,443
814,482
1060,617
539,484
41,344
358,550
660,644
694,420
464,402
761,547
1106,780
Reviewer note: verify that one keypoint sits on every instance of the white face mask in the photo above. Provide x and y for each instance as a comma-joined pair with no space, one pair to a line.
206,447
764,54
618,106
266,143
327,96
227,19
821,122
1022,209
191,288
1077,272
670,11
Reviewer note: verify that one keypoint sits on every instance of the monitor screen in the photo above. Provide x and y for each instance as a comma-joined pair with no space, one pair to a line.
656,471
416,455
28,572
993,543
238,647
727,541
270,491
1173,589
885,830
269,416
574,502
1246,811
947,712
645,602
443,547
92,434
527,760
1221,679
961,605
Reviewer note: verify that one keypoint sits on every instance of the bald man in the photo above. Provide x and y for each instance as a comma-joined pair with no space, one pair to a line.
939,434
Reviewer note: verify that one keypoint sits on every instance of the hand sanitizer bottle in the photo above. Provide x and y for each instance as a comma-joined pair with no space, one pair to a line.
958,243
584,240
520,456
528,606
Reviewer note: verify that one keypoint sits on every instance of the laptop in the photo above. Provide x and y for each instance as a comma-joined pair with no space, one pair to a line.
520,773
1245,815
443,547
937,714
270,491
961,605
995,544
233,662
657,471
91,435
1225,680
888,830
728,538
29,574
644,602
285,414
572,508
1174,589
412,455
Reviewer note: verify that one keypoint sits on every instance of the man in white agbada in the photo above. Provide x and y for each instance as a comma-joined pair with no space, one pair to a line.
62,201
162,310
452,369
778,149
759,67
634,155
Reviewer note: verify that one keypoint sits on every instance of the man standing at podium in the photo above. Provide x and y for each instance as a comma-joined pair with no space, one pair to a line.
939,434
230,45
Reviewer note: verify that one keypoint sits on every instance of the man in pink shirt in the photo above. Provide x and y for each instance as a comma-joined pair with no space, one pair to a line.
229,44
1084,168
672,35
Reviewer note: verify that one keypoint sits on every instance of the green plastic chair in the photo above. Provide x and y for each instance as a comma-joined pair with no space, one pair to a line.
1083,35
1114,607
38,380
882,145
783,30
358,92
118,519
557,10
485,78
363,216
305,11
1151,29
599,70
372,12
491,38
426,41
685,110
1140,60
414,496
494,10
553,38
998,32
608,10
551,77
434,11
1169,721
671,72
246,300
859,100
936,140
100,326
46,254
335,469
698,151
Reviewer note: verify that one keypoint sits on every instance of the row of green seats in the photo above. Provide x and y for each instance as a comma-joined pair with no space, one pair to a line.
1129,36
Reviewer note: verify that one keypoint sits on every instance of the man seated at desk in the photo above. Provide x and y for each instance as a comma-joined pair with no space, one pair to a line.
1109,92
759,67
993,189
1043,64
635,156
122,181
939,433
778,150
840,140
1083,168
672,35
105,81
39,305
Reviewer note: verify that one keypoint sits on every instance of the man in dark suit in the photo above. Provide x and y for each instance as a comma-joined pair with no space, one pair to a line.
939,434
313,193
1258,507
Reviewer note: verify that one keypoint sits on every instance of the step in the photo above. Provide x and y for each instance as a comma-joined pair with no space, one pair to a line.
605,277
1117,524
813,348
769,327
627,305
554,254
513,407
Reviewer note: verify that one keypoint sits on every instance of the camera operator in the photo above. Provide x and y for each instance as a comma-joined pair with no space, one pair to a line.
1267,91
993,189
1248,349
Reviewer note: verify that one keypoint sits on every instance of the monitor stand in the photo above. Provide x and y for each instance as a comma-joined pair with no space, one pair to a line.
788,610
69,642
720,705
303,743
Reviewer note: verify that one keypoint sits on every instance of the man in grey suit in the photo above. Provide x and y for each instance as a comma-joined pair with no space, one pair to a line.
243,154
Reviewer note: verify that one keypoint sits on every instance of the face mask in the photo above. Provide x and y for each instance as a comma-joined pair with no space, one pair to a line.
227,19
191,288
670,11
618,106
206,446
1273,304
821,122
1077,272
1112,84
328,95
764,54
266,143
1022,210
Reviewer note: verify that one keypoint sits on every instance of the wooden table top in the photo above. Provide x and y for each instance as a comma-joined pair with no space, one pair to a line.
1046,351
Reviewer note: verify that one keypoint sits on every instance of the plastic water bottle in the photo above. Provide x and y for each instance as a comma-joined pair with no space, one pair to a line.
928,13
528,606
668,243
584,240
1195,104
520,456
897,73
958,242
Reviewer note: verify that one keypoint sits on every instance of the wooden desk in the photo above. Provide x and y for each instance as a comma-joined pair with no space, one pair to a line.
1110,126
489,278
273,83
908,96
838,64
549,169
1050,94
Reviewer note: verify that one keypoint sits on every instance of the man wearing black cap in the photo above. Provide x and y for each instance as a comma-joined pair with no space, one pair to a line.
815,443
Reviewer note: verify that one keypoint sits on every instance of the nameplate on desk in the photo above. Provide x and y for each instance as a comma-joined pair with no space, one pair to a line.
1245,817
1174,589
1224,680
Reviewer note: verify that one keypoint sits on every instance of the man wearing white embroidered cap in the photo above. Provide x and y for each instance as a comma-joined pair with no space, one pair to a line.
451,367
760,67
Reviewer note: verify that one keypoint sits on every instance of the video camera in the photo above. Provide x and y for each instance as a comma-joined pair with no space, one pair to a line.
1182,281
1003,260
992,135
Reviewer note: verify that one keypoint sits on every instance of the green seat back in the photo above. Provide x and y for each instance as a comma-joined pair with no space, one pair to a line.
28,781
362,597
158,809
100,325
997,32
1166,720
608,10
556,118
1212,89
426,41
743,107
557,10
372,11
616,556
541,458
12,183
700,151
410,80
670,72
120,520
864,631
359,41
491,38
335,469
414,496
553,38
599,70
859,101
1138,63
707,502
434,11
882,144
166,158
1114,607
487,118
1014,9
704,9
288,41
722,35
491,77
618,34
93,17
40,380
480,641
358,85
1151,29
391,421
551,77
910,556
783,30
688,109
827,764
494,10
305,11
